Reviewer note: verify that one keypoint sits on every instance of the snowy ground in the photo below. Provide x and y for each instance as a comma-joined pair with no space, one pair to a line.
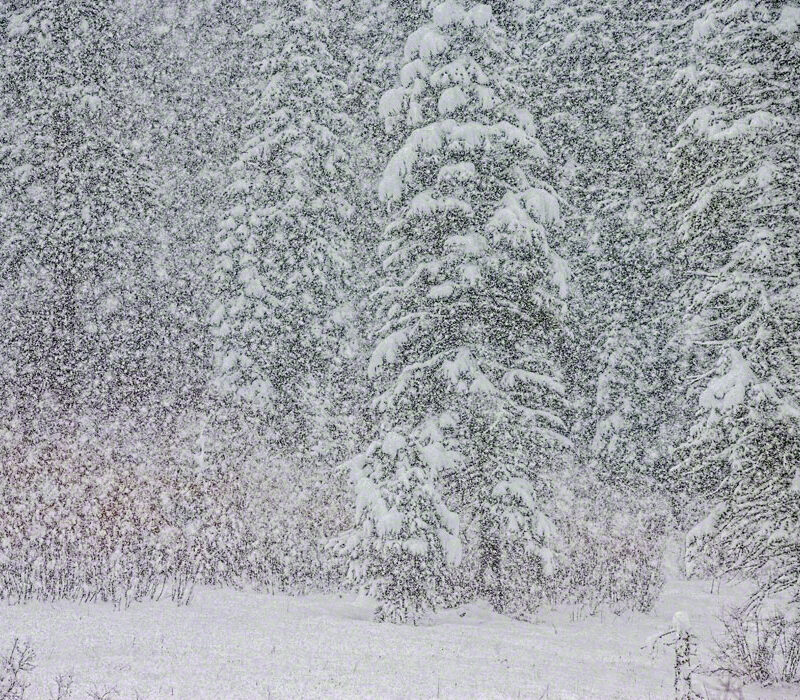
233,644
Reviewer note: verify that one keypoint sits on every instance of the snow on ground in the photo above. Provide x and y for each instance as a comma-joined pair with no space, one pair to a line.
239,644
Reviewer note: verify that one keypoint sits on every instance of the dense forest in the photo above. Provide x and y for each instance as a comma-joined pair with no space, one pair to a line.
434,301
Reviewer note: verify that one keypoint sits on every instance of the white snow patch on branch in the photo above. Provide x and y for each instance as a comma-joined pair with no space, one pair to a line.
728,390
392,443
789,21
463,363
542,204
416,546
486,96
18,24
703,27
389,523
437,457
413,70
451,99
413,42
390,187
447,13
518,488
441,291
478,16
425,204
481,384
561,274
756,121
513,376
451,546
472,244
460,172
387,349
432,44
391,102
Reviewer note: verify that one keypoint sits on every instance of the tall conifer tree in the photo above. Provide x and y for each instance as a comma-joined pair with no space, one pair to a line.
469,400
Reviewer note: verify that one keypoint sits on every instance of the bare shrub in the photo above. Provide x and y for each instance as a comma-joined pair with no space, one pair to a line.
64,687
609,551
14,669
761,647
82,525
91,521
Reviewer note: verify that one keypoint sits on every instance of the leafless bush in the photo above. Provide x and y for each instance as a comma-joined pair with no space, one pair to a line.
609,553
82,526
707,558
598,570
14,669
760,647
64,687
80,523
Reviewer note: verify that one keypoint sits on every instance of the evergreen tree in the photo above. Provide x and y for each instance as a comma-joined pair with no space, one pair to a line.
289,275
469,400
182,60
735,180
283,269
587,87
75,186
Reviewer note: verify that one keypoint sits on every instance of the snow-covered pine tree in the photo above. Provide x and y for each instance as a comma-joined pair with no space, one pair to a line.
283,266
469,401
86,304
736,175
75,183
181,59
285,314
586,87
